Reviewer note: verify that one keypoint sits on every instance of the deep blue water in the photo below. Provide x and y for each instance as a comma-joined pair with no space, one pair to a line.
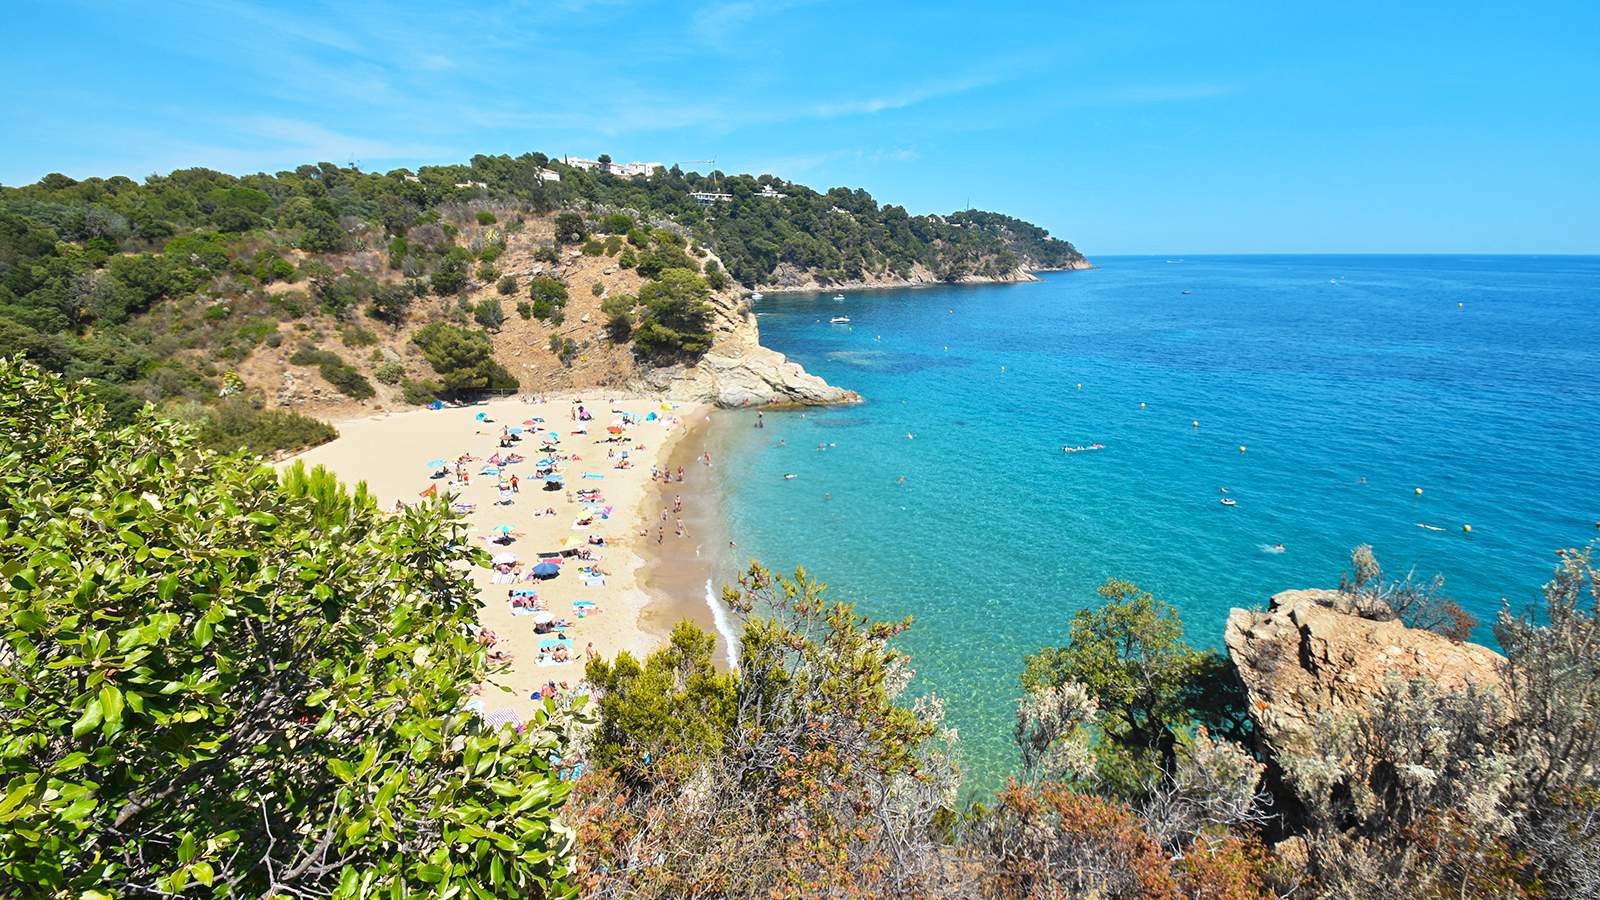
1328,369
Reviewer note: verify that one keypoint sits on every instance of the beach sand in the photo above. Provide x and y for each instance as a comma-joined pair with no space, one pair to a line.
391,452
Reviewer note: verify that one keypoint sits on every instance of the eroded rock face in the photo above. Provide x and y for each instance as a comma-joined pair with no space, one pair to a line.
1309,653
738,371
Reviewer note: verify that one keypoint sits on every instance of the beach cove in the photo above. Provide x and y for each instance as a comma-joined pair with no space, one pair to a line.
601,544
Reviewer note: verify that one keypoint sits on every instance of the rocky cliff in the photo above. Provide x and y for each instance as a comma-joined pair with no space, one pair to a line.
738,371
1309,653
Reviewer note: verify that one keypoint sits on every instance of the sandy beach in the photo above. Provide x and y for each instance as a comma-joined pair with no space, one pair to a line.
598,541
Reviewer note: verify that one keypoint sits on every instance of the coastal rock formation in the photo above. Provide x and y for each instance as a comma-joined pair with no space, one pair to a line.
1309,653
737,371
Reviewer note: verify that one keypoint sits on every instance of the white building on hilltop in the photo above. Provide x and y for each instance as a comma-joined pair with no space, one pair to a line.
623,170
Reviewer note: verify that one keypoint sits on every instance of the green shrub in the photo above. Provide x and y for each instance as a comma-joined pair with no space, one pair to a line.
389,372
221,672
421,391
507,285
275,339
593,247
238,425
485,217
491,252
614,224
613,245
570,228
487,272
549,297
463,359
627,259
489,313
564,348
524,309
597,288
343,376
618,310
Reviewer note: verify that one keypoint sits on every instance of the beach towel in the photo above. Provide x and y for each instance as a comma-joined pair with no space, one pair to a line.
592,475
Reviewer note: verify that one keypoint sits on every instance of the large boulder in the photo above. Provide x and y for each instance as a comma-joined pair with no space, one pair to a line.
1309,653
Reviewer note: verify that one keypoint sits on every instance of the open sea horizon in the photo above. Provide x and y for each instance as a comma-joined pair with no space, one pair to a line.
1320,391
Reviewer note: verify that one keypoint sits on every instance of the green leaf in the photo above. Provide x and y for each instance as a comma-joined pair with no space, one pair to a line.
202,872
111,704
265,520
90,720
28,620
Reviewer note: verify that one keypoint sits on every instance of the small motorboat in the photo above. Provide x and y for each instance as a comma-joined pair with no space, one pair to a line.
1187,291
756,295
1228,501
838,297
839,320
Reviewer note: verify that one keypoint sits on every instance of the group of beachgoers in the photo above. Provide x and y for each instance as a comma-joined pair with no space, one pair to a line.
581,551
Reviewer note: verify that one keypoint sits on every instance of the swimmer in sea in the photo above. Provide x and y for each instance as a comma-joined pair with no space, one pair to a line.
788,475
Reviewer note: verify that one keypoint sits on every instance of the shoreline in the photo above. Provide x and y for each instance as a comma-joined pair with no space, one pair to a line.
685,575
1028,275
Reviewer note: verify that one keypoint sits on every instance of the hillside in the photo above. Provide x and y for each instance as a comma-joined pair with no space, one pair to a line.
256,305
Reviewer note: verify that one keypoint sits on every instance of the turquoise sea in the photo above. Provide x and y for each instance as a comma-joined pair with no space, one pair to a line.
1350,380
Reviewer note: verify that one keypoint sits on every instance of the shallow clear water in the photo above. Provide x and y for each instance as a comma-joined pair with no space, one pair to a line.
1329,370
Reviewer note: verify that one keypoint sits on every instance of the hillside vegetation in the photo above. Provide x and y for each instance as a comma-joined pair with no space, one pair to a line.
250,305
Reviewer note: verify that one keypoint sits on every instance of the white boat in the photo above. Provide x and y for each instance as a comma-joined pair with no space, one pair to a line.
755,295
838,296
839,320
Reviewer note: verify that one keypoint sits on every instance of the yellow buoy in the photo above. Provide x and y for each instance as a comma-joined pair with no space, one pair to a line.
1241,448
1467,528
1195,423
1141,406
1080,385
1419,492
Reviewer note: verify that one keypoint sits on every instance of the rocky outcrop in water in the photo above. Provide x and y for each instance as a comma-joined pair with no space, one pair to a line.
1310,653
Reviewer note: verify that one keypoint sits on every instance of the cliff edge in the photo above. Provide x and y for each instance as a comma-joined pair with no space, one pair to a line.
1309,653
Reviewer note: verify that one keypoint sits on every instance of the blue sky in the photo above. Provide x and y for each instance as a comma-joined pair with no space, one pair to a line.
1124,127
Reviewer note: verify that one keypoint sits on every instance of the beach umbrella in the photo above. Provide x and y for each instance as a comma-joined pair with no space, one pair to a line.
534,419
481,416
500,529
614,429
554,436
553,476
516,430
530,421
505,558
437,463
495,718
546,570
543,618
547,461
489,470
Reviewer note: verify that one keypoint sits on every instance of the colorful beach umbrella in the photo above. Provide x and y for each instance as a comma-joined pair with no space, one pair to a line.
546,570
500,529
481,417
505,558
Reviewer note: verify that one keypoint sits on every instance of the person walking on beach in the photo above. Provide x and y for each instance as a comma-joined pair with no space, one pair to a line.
515,487
680,528
677,503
